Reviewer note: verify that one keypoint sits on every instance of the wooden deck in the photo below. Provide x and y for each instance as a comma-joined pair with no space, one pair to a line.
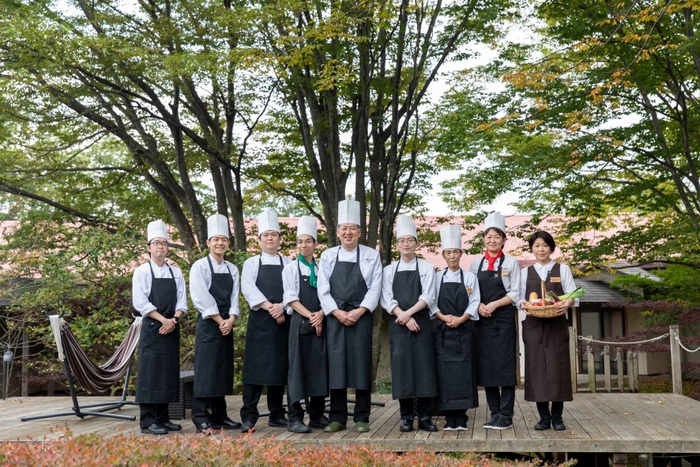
613,423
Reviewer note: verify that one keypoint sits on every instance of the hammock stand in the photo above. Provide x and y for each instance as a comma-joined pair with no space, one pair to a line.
118,366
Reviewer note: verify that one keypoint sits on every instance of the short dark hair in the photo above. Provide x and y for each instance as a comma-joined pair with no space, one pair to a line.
546,236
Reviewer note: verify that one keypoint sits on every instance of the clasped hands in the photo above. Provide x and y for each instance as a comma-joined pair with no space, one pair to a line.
349,318
276,310
226,325
167,326
404,318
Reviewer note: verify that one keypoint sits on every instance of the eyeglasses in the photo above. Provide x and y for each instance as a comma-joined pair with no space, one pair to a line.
406,241
346,228
158,243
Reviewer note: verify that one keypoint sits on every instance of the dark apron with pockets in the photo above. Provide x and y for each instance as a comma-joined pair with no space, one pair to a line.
213,352
496,337
266,343
454,351
547,364
308,357
349,347
412,353
159,354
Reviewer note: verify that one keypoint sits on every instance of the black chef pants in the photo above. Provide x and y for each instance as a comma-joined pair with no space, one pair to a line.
422,408
501,400
339,405
153,413
251,397
555,414
314,407
218,410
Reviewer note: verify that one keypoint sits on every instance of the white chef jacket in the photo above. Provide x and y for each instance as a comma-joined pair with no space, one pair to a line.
471,283
370,267
141,286
290,280
426,271
567,279
200,282
250,275
510,274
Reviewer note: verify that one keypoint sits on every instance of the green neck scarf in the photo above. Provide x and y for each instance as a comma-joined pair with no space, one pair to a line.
312,275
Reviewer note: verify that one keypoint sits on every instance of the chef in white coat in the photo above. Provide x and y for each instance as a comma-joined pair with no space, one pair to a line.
158,292
266,357
408,291
308,356
214,291
455,309
349,286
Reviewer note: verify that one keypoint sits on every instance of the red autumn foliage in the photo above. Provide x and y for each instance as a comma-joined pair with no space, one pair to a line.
181,451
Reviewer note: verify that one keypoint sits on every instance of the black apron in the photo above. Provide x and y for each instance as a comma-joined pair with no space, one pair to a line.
547,363
213,352
349,347
454,351
412,353
308,357
159,354
266,359
495,337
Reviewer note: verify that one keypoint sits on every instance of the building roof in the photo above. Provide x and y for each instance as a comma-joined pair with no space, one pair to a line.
599,292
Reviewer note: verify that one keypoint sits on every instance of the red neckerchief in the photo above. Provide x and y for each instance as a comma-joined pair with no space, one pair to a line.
492,261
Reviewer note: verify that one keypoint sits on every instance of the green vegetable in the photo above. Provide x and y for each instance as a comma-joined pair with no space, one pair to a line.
578,293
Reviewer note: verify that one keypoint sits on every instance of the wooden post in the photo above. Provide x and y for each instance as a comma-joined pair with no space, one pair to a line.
620,370
25,358
635,369
590,356
606,368
630,371
572,357
676,375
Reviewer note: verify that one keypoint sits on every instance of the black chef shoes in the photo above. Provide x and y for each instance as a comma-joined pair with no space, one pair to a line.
204,428
155,429
406,425
278,422
558,424
427,425
319,423
227,424
542,424
248,427
170,426
298,426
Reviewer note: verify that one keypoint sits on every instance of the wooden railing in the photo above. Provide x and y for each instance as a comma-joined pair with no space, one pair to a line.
629,357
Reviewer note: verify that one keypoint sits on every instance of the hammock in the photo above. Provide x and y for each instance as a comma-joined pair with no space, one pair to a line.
95,379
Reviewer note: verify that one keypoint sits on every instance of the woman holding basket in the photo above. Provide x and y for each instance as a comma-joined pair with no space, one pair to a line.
547,364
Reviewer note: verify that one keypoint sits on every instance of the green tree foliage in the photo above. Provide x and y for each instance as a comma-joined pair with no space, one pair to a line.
355,79
171,92
599,122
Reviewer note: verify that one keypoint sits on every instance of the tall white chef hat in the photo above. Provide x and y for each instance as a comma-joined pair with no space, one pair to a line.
495,220
217,225
349,212
267,220
451,237
157,229
307,225
405,226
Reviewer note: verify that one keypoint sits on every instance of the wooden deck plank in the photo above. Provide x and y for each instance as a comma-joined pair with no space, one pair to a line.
597,423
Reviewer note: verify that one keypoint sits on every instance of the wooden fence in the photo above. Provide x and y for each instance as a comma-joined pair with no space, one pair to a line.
630,358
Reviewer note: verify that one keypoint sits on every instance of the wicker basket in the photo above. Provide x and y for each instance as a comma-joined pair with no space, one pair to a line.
546,311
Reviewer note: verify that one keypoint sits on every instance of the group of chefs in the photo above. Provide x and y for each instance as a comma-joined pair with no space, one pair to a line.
310,329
